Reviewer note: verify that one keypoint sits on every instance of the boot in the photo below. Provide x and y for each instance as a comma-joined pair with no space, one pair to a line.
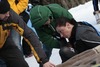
97,16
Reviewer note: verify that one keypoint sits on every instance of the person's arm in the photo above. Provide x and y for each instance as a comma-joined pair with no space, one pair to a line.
87,38
30,36
91,39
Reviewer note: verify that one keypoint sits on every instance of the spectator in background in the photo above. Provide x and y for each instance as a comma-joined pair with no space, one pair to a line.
96,11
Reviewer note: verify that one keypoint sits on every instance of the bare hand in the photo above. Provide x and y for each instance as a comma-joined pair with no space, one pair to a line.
48,64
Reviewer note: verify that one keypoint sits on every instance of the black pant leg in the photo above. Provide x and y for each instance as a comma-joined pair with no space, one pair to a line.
66,53
12,55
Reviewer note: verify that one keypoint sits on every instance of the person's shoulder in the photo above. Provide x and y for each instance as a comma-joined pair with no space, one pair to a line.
81,31
54,5
12,13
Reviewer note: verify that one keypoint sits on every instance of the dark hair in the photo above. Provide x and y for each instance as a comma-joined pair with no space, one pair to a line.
61,21
4,6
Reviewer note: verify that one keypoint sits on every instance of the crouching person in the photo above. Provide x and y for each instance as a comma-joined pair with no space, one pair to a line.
9,52
82,35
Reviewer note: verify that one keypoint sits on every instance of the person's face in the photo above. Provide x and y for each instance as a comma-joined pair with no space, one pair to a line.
65,31
47,22
5,16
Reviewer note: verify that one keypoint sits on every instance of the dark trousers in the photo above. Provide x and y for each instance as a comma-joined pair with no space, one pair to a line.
66,53
26,48
95,5
12,56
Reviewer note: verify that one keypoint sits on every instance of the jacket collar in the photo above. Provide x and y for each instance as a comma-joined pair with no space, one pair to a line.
72,39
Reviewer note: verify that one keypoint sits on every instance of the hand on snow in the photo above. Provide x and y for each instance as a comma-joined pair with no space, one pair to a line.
48,64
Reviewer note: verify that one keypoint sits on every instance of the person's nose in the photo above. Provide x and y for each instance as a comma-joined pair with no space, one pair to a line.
61,35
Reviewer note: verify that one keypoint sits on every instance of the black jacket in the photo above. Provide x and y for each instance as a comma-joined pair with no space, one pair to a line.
84,37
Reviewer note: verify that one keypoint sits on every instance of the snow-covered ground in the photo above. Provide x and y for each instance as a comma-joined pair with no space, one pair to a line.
82,12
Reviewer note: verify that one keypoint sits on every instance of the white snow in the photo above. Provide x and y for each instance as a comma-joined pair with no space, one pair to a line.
82,12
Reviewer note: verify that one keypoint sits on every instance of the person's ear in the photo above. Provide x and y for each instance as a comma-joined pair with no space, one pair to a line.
68,25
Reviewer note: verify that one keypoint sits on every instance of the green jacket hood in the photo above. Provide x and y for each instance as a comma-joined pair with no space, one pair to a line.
39,15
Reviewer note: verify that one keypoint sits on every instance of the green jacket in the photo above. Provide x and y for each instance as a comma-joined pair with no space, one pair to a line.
40,14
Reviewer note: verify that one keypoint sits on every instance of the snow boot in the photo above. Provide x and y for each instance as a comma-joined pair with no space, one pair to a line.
97,16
